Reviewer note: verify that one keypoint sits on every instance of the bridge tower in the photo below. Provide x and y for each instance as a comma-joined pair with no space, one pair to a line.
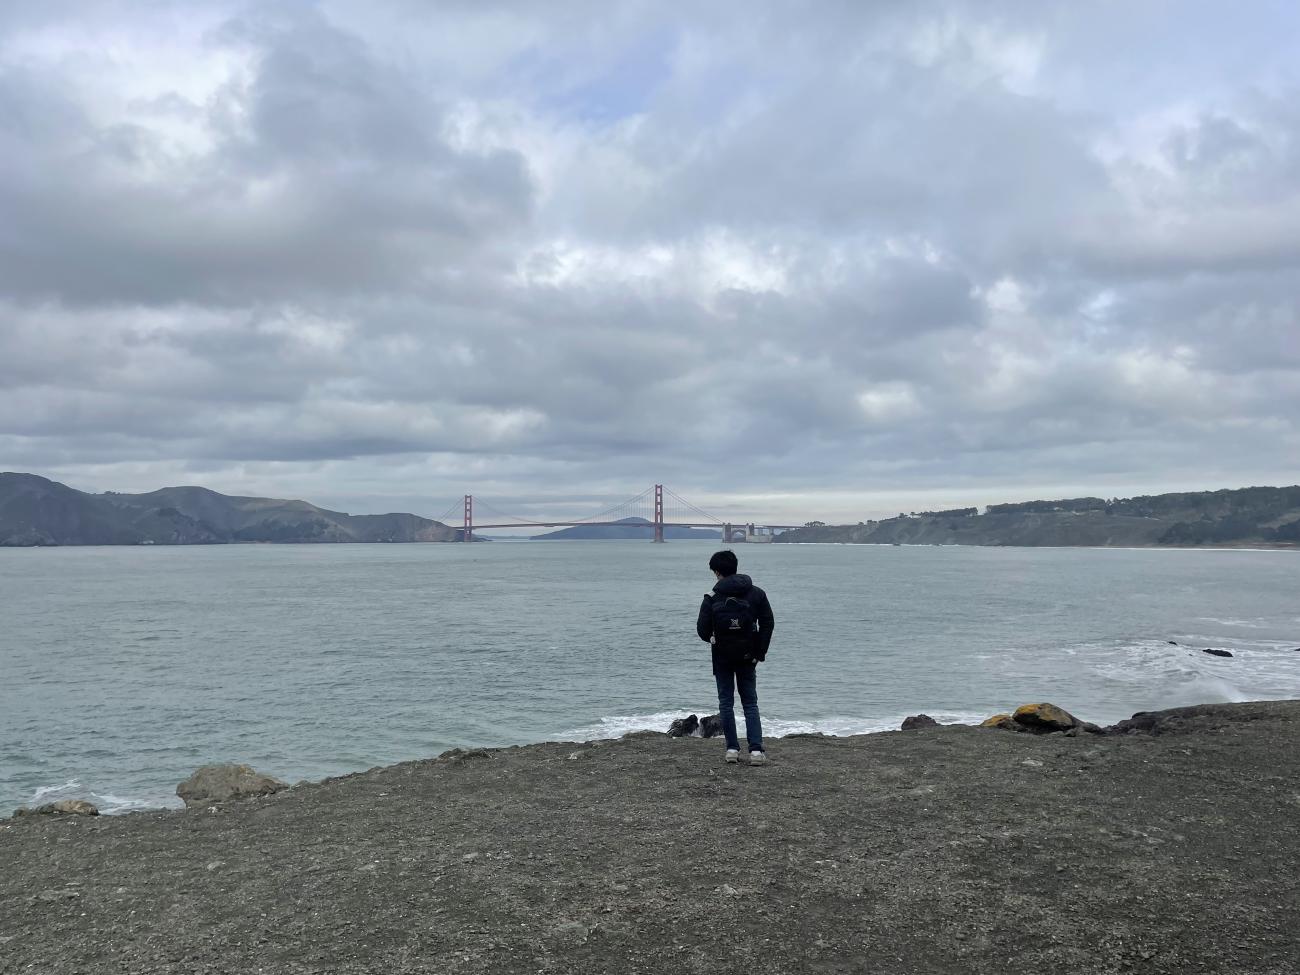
468,534
659,512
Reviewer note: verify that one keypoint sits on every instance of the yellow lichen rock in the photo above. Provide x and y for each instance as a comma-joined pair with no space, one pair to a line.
1045,717
998,721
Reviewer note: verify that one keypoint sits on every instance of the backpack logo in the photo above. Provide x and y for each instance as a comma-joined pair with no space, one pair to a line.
735,624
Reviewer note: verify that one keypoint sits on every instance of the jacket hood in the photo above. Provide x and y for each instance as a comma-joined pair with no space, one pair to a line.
736,585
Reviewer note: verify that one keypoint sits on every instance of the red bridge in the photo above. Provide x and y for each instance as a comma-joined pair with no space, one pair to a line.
650,505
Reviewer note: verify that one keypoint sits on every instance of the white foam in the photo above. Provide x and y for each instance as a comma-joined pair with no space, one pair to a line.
1229,621
45,793
107,803
1254,672
615,726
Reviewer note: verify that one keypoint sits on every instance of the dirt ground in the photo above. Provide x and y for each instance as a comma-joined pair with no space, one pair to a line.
949,849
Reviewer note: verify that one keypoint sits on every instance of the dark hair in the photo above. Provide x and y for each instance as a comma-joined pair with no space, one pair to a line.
724,562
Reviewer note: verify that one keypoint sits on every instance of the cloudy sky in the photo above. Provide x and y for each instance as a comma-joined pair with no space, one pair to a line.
793,260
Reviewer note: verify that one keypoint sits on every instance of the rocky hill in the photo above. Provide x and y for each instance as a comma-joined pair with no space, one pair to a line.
1242,517
37,511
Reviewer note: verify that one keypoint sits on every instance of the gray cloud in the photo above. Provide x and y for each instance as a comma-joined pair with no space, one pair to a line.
940,250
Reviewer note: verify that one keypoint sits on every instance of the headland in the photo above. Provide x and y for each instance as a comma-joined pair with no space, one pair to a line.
1169,849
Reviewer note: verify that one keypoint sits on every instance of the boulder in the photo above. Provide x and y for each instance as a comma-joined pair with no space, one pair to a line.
683,727
222,783
64,807
1044,718
1217,653
1006,722
711,726
914,721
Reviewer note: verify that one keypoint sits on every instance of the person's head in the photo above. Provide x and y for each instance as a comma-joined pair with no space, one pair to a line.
723,563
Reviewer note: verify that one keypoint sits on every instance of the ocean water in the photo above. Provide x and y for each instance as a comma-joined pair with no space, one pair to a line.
123,669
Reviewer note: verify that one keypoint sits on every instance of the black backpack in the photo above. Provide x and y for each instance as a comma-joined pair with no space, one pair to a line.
735,629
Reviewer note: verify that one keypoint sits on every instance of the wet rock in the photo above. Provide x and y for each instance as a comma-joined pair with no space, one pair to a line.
711,726
1172,643
1043,718
914,721
64,807
1216,652
221,783
643,733
684,726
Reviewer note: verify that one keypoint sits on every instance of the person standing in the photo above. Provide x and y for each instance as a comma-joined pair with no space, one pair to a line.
736,621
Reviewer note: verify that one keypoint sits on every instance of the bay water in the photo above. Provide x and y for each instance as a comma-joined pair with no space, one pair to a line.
124,669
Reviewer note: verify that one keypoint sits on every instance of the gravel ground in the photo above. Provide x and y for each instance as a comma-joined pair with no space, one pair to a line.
946,849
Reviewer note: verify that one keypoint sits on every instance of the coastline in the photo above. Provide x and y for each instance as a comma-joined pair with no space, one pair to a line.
900,852
1222,547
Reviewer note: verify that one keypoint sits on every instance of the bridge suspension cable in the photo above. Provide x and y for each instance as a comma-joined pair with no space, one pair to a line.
451,512
632,507
693,509
656,507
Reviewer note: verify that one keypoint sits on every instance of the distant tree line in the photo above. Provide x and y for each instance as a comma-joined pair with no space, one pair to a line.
1040,507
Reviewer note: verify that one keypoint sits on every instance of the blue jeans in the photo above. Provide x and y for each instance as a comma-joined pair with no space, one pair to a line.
744,678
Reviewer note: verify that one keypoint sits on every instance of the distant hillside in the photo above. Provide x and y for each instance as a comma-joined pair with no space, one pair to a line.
626,528
37,511
1240,517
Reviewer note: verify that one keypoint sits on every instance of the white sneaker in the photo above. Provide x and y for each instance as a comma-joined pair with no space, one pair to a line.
732,756
758,758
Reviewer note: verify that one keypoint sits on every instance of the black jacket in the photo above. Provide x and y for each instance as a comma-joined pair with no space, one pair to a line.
743,587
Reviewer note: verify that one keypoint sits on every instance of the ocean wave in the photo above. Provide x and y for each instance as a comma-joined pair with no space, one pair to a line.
1257,670
1229,621
615,726
108,803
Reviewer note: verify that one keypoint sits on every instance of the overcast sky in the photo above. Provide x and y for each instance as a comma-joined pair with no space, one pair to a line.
793,260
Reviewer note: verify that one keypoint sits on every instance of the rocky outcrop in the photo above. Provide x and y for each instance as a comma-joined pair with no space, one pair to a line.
223,783
64,807
1041,719
1217,652
912,854
1197,718
711,726
684,726
914,721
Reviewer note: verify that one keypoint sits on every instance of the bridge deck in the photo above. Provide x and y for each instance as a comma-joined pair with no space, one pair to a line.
611,524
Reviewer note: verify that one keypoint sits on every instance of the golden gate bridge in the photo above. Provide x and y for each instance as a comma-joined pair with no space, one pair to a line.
658,506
